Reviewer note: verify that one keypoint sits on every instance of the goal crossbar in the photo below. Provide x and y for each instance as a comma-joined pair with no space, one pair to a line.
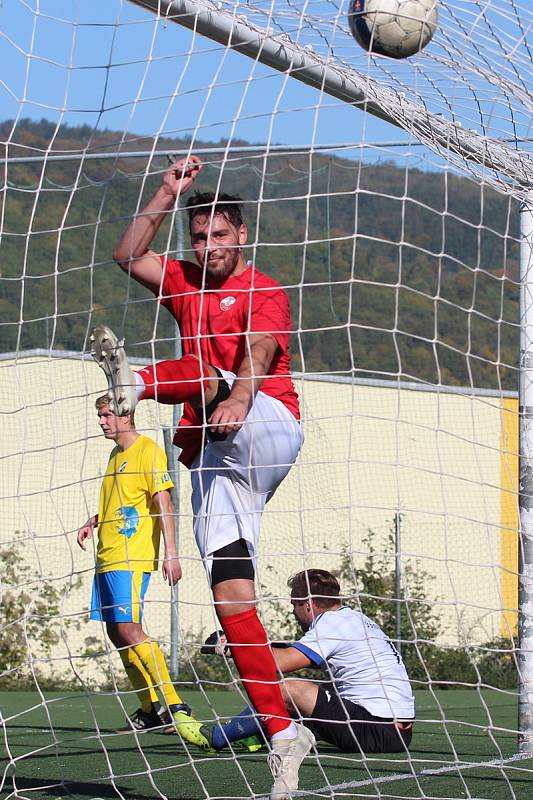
281,53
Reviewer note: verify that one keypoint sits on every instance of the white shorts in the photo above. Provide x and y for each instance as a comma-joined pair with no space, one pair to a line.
232,480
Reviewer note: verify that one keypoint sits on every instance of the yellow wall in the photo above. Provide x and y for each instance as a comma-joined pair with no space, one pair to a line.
445,461
509,514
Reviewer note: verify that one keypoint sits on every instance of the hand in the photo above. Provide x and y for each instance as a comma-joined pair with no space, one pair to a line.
215,644
181,175
171,570
228,416
84,533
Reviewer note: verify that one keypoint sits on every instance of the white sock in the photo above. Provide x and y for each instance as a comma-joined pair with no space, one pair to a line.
290,732
139,385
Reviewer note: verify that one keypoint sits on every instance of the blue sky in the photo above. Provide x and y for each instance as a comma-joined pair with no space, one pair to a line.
110,64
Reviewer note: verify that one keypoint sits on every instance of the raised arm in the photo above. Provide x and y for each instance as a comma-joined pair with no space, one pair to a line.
132,252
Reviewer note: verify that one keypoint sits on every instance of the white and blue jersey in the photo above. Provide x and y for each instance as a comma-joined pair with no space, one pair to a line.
361,661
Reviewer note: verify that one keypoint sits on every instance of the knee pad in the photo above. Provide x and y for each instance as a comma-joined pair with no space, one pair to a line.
232,561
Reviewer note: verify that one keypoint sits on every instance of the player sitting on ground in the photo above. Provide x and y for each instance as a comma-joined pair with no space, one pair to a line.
366,706
134,508
240,430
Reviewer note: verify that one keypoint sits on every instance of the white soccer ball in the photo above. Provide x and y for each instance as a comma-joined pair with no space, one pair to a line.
394,28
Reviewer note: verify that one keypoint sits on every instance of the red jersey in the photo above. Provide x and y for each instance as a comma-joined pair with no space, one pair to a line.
214,318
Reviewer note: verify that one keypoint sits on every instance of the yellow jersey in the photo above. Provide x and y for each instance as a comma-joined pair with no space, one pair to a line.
128,525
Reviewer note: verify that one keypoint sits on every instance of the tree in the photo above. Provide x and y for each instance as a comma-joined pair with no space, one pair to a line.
30,608
371,589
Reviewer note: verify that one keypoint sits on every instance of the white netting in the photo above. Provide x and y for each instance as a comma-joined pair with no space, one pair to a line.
399,248
467,96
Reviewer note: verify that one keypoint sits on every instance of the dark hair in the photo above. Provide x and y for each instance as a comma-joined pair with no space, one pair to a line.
210,203
318,584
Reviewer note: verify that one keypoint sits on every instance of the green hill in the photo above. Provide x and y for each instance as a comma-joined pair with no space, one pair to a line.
389,271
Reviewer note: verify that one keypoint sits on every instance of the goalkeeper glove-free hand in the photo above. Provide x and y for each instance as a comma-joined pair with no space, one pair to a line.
215,644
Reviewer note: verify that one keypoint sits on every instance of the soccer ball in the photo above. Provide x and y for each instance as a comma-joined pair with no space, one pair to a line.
394,28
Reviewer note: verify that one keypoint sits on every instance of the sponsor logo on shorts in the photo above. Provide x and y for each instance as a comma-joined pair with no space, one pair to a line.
124,609
226,303
328,695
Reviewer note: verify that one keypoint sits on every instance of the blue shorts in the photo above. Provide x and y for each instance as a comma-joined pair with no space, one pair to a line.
118,595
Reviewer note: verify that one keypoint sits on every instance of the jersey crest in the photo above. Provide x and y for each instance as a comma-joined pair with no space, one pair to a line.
226,303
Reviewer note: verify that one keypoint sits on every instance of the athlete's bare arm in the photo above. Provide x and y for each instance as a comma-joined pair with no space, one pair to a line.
132,252
86,531
230,414
287,657
290,659
171,564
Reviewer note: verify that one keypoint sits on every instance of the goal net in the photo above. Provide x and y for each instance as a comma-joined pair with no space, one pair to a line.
391,199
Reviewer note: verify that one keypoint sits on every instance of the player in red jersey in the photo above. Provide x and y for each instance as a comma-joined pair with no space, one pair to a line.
240,430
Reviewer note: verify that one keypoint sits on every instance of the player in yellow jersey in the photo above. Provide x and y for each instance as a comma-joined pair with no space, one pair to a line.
135,508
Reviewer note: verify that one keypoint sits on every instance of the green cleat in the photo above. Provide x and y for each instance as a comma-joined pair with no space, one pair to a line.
251,744
191,730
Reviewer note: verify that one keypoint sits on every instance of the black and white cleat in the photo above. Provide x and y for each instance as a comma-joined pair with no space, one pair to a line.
108,352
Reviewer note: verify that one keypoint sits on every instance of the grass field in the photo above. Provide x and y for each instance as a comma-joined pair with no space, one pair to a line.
65,747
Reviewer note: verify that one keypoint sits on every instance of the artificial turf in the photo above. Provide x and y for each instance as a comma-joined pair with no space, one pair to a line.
63,745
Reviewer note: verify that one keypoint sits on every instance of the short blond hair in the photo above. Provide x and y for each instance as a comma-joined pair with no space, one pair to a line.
105,400
102,401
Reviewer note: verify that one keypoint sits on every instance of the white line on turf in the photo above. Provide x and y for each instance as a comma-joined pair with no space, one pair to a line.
406,776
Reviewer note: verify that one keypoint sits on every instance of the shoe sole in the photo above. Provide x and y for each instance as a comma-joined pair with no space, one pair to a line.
156,729
109,354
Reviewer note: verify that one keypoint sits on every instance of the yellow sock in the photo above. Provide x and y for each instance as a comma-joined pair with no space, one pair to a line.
139,678
155,665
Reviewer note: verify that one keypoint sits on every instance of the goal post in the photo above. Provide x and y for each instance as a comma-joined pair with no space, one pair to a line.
361,91
525,591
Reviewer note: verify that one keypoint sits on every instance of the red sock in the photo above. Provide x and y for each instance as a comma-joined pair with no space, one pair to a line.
173,381
257,668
